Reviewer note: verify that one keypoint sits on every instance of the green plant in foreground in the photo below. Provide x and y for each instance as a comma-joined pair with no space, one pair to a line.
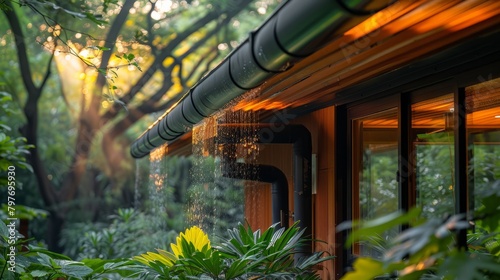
19,260
428,249
244,255
192,241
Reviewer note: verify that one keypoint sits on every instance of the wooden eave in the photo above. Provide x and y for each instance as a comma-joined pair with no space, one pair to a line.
390,39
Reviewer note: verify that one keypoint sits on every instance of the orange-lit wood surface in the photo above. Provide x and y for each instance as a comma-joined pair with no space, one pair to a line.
405,32
258,200
402,33
483,110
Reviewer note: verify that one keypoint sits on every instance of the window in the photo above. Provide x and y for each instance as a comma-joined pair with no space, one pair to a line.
483,133
375,169
435,146
433,154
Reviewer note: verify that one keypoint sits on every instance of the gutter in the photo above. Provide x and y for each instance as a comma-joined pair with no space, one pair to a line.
297,29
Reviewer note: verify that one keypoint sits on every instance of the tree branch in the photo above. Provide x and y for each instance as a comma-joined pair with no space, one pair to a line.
167,51
113,33
114,110
210,56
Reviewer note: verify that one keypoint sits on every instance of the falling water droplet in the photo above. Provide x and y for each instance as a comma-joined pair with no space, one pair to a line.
216,202
137,194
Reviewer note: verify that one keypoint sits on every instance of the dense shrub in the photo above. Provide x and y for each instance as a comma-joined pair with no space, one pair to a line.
128,232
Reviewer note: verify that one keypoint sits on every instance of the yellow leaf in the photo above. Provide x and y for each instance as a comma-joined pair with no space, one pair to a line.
151,257
193,235
365,269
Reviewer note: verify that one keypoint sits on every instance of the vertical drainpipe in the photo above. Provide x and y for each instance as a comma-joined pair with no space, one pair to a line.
267,174
300,137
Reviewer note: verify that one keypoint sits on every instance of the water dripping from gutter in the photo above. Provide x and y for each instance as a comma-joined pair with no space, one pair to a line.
217,203
137,194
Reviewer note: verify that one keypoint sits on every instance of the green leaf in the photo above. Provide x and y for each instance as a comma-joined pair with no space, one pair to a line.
4,231
94,263
5,127
76,270
103,48
95,19
129,57
489,211
39,273
46,254
45,260
473,266
28,213
363,230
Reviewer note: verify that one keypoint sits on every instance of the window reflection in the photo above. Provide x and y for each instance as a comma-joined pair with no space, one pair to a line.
432,126
483,128
376,163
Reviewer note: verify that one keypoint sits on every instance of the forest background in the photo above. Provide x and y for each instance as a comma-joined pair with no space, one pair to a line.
85,78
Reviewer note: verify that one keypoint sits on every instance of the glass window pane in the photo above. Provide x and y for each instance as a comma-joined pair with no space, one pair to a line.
375,169
433,150
483,128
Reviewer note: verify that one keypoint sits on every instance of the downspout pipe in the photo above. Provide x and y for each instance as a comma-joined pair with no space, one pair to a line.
267,174
297,29
300,138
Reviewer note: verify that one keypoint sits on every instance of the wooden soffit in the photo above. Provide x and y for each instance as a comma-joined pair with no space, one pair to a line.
392,38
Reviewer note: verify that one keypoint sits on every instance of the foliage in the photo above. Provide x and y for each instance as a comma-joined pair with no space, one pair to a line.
428,249
434,156
244,255
128,232
159,213
91,70
20,260
12,150
24,212
188,242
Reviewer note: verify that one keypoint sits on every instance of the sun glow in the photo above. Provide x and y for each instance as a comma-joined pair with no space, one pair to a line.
161,7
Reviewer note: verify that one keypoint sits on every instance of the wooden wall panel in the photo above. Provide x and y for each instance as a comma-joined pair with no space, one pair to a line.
321,124
258,209
258,205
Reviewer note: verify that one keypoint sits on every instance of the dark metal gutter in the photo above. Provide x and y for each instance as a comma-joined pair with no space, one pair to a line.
294,31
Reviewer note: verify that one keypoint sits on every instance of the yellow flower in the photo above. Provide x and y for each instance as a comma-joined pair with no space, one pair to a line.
193,235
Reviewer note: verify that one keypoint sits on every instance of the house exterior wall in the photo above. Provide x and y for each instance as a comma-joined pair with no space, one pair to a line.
401,50
321,123
258,200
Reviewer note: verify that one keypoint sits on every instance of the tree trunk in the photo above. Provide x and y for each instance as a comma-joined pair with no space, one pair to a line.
54,231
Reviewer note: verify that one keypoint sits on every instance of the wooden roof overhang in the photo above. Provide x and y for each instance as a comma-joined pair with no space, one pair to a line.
396,37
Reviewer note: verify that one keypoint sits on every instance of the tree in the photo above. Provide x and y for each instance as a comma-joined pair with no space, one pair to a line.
173,43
